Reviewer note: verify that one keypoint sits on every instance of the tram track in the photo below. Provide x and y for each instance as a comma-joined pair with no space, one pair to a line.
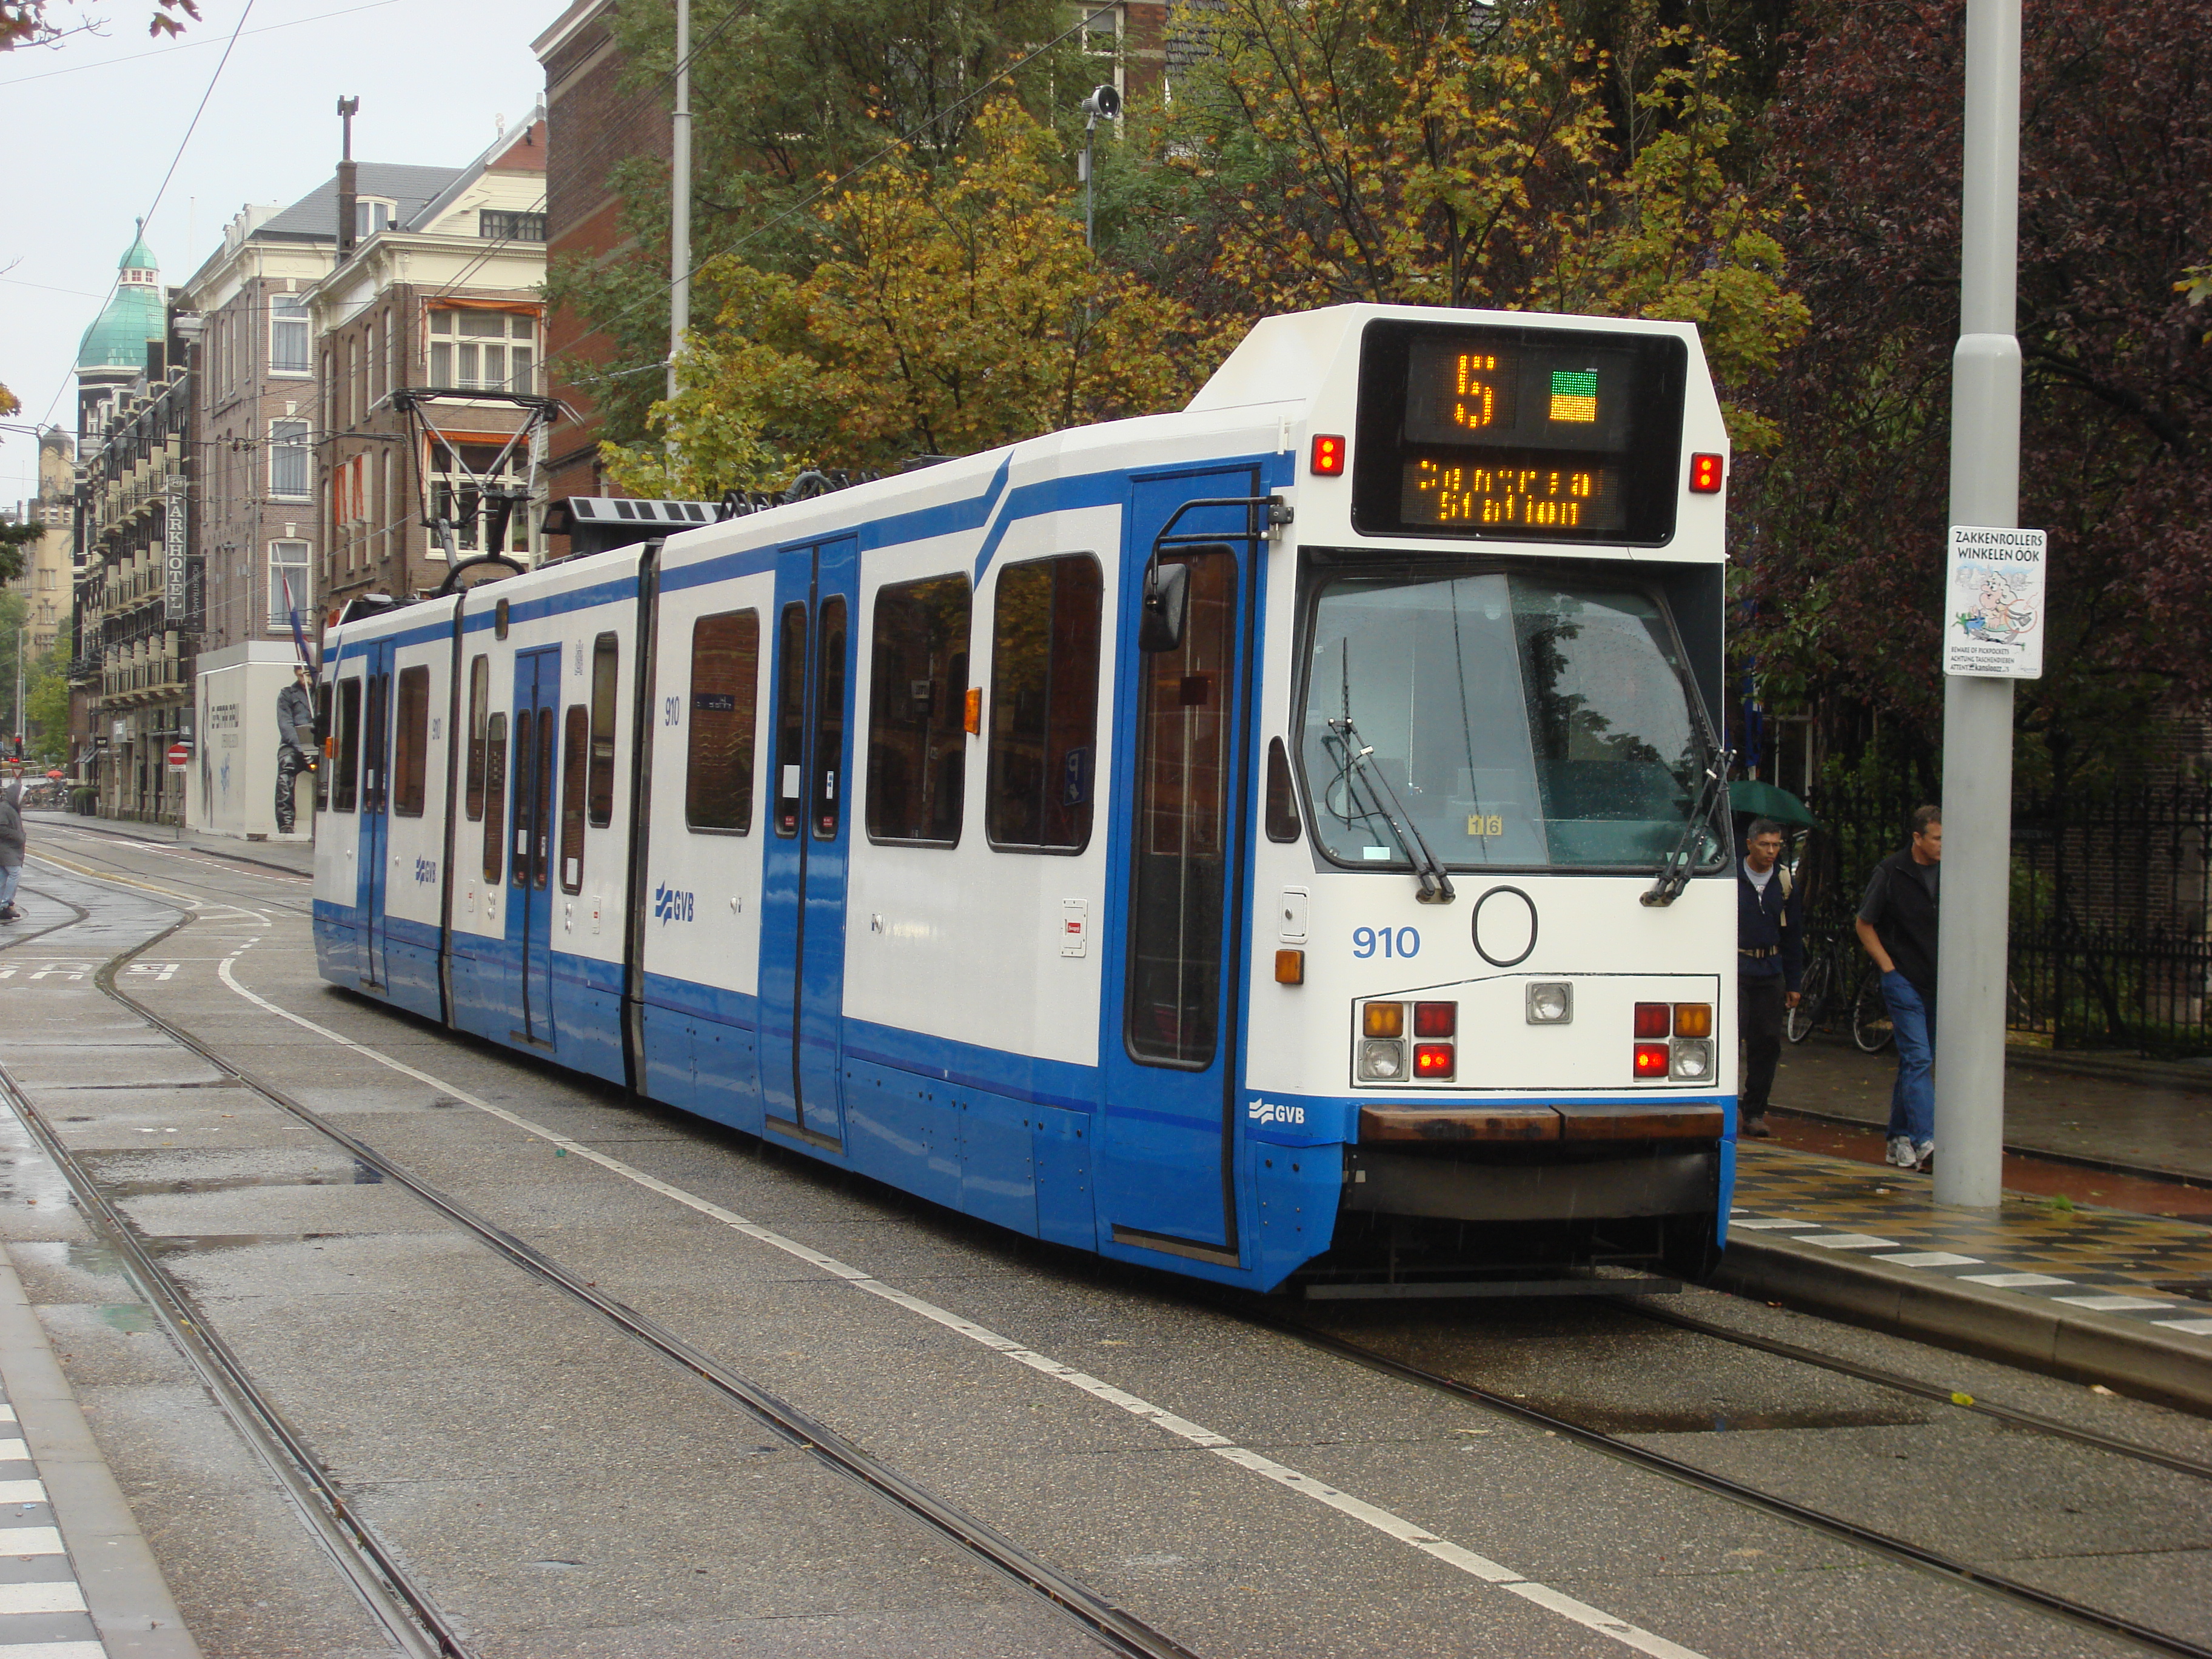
1118,1630
1113,1627
1871,1539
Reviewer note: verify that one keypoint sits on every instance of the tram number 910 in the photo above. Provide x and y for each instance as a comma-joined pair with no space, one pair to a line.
1403,942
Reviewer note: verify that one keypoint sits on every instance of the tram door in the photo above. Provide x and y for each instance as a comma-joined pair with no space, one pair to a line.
530,907
375,855
802,952
1164,1172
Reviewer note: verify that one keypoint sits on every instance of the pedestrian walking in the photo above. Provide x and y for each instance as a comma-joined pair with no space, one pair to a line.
295,739
11,849
1896,926
1770,965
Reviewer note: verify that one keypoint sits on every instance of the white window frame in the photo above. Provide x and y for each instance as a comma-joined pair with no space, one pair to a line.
298,439
298,568
458,362
286,313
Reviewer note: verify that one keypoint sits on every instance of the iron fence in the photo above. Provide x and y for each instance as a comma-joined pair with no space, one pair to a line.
2111,907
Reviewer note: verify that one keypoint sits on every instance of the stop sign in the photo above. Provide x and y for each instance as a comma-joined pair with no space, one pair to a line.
178,754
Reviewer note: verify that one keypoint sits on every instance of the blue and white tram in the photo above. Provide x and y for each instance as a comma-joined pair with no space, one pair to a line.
1282,837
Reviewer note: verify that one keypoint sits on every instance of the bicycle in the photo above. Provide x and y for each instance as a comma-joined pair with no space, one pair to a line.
1839,976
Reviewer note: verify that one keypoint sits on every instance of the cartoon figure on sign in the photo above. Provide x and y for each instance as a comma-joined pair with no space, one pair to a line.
2000,614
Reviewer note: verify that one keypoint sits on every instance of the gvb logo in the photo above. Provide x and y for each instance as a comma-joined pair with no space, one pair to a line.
669,905
426,871
1267,1111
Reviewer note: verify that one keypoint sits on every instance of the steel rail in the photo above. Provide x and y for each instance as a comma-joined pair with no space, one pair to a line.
1113,1627
1867,1538
403,1608
17,941
1936,1391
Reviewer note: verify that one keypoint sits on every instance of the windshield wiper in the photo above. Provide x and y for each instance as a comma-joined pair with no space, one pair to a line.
1674,873
1436,884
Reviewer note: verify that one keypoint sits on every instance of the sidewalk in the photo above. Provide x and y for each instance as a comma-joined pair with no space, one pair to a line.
295,855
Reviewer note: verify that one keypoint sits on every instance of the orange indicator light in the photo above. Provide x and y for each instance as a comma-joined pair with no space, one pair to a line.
1290,967
1693,1019
1383,1019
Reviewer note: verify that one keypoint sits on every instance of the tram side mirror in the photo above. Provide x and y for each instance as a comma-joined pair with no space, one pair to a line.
1167,599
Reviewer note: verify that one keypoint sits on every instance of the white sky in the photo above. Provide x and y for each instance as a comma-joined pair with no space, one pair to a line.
93,123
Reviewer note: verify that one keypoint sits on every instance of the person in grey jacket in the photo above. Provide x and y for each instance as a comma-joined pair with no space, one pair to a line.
11,849
295,741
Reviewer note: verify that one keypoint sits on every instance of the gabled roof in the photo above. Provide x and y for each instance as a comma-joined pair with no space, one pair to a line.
314,216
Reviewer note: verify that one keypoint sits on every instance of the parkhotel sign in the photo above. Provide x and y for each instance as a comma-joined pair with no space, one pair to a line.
172,555
1993,603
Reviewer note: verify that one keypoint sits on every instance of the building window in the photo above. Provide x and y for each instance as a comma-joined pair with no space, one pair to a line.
718,790
288,582
287,460
918,698
495,225
371,215
1044,705
471,493
288,351
483,350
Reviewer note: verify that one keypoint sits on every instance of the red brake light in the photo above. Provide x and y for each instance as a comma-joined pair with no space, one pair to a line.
1432,1060
1653,1019
1327,456
1705,475
1436,1019
1650,1059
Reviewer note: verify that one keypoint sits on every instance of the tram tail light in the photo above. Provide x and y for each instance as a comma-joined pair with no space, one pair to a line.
1705,475
1651,1059
1693,1020
1327,456
1432,1060
1436,1019
1383,1019
1653,1019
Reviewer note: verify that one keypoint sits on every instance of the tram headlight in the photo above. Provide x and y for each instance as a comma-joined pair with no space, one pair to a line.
1551,1004
1381,1061
1691,1061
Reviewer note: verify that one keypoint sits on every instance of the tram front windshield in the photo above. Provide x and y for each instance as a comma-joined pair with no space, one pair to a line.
1525,720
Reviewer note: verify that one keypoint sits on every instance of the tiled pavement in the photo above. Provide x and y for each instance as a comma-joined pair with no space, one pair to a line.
42,1606
2108,1261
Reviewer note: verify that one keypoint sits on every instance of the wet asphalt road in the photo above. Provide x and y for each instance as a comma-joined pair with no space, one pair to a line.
559,1490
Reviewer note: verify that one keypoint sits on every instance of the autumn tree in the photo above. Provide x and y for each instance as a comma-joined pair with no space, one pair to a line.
40,22
954,309
1843,523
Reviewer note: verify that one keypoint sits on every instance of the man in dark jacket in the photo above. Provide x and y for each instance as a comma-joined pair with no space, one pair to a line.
295,739
1897,926
11,849
1770,964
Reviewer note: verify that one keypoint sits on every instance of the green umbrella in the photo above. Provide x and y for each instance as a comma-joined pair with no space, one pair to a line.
1764,800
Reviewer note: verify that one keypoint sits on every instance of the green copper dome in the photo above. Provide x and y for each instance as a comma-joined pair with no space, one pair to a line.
134,316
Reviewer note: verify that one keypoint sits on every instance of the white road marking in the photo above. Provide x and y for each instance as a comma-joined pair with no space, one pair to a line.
53,1650
2111,1304
49,1595
1381,1520
1848,1241
2194,1327
2011,1281
29,1541
22,1491
14,1452
1767,1224
1930,1259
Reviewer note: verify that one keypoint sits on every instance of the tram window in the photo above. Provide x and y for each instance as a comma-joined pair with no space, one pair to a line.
1044,705
790,716
518,870
1185,743
829,718
374,743
605,657
718,775
494,797
573,769
917,713
479,706
1282,798
541,817
410,765
349,782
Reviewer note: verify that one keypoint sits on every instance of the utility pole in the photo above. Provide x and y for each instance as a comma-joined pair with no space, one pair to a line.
679,202
1970,1007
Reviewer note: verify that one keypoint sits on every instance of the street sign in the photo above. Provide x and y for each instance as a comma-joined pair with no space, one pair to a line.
179,756
1993,603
